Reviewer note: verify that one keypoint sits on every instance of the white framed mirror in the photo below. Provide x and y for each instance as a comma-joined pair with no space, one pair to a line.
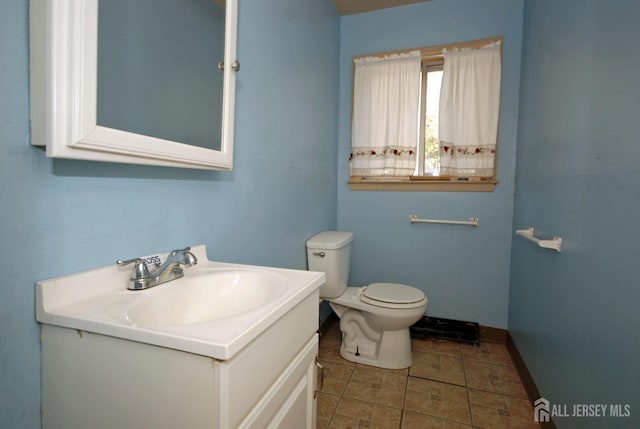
68,118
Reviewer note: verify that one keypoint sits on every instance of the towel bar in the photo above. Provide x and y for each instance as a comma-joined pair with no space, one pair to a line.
474,221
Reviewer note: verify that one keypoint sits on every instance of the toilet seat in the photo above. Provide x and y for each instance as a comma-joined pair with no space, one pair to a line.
392,295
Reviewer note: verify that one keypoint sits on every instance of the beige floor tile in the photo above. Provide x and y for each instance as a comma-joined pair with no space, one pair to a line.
326,406
487,352
375,372
354,414
329,350
494,411
412,420
494,378
440,347
322,423
437,367
336,377
377,385
433,396
438,399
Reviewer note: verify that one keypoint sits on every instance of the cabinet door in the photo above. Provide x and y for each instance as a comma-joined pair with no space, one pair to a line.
266,365
299,409
290,402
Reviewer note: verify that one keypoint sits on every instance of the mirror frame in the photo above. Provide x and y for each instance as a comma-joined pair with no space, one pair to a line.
64,57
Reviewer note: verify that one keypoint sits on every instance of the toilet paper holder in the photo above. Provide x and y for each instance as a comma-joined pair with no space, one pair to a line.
555,243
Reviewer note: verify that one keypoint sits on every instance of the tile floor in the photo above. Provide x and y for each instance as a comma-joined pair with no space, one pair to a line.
449,386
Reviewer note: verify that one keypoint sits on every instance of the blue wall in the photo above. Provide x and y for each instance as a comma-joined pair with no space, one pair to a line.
463,271
571,314
574,315
62,216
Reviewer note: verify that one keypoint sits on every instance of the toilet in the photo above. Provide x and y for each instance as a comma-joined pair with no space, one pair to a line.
374,319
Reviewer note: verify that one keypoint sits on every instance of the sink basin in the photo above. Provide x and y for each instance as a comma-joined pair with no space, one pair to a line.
205,296
215,310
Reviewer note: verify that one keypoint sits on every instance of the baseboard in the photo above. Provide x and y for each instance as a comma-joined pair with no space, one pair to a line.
493,335
502,336
525,377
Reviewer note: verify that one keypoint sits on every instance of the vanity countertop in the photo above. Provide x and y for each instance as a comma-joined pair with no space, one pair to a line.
98,301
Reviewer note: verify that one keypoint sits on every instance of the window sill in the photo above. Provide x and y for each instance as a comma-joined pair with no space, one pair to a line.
405,184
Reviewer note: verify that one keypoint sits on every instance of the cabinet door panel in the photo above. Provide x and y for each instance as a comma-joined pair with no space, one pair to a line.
248,377
290,402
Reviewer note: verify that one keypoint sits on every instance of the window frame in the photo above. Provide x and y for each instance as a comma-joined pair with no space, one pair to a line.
431,55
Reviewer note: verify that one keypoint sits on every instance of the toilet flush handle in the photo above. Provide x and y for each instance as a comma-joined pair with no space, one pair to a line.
321,254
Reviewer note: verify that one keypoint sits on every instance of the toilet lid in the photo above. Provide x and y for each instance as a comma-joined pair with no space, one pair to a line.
392,295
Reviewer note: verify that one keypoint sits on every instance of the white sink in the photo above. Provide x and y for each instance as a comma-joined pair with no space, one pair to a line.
205,295
214,310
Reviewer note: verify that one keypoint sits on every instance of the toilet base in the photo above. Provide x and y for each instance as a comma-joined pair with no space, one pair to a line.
391,351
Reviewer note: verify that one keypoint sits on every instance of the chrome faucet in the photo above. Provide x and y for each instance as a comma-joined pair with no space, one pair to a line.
171,269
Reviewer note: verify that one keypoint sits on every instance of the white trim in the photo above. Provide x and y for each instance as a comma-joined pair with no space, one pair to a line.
65,119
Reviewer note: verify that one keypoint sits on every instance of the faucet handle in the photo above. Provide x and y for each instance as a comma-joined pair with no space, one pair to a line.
140,270
187,258
174,252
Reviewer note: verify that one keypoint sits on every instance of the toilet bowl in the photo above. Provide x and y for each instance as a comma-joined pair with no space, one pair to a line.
378,334
374,319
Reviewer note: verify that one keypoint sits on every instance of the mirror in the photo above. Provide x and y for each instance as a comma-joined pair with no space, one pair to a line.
158,69
134,82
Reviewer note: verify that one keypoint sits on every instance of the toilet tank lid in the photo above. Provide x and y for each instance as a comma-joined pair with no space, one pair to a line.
330,240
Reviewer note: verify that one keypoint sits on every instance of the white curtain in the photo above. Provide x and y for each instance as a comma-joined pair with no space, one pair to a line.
384,129
469,108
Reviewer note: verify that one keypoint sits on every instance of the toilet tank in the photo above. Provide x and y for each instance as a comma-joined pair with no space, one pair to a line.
330,252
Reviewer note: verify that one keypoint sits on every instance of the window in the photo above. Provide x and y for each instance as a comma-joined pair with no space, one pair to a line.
429,158
429,123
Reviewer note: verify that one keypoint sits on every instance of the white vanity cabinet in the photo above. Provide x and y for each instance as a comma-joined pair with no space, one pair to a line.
97,381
